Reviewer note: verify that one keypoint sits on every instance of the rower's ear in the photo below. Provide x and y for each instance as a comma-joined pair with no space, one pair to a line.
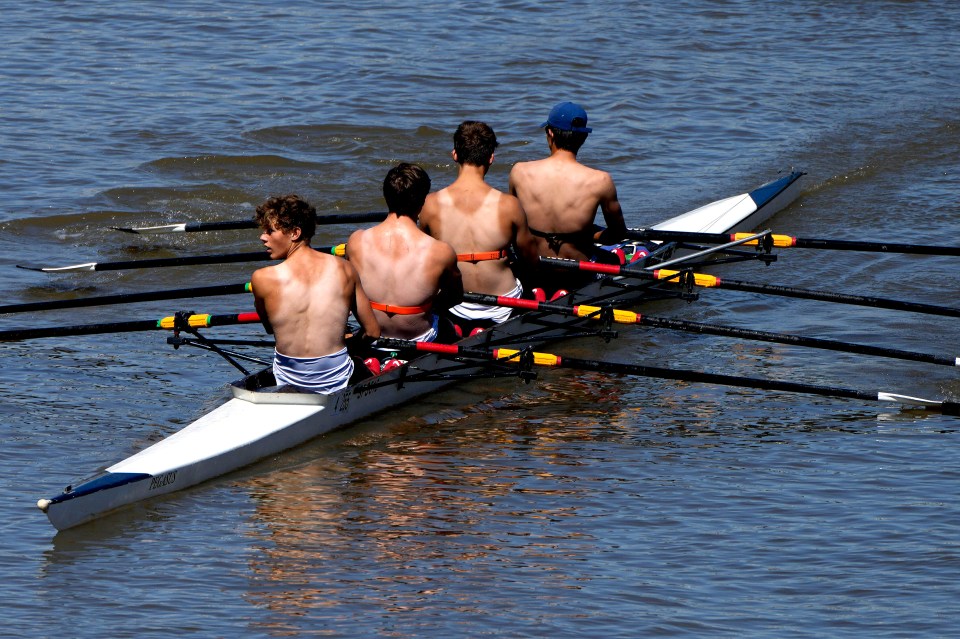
296,233
453,154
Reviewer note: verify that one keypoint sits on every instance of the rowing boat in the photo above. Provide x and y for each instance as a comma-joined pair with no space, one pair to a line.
256,423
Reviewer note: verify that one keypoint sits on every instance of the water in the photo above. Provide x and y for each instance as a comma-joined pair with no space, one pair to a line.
579,505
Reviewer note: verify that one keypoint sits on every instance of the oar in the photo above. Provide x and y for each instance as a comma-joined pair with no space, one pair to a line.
224,258
507,355
190,260
171,322
128,298
712,281
230,225
629,317
787,241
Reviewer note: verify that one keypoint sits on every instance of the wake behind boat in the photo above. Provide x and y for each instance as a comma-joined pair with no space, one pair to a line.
259,422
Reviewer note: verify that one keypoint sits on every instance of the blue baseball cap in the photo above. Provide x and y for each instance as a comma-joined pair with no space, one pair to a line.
565,117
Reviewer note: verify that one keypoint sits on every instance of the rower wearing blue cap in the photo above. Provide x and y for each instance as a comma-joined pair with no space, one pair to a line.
561,197
568,116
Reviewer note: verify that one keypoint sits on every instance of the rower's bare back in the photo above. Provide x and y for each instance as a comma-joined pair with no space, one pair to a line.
399,266
307,299
559,197
476,221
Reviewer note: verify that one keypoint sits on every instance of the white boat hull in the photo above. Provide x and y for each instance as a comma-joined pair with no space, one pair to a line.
254,425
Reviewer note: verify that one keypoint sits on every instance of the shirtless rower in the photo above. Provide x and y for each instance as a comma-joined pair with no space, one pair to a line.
481,224
408,275
560,196
305,300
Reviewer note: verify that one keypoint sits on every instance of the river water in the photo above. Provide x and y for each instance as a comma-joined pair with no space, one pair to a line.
580,504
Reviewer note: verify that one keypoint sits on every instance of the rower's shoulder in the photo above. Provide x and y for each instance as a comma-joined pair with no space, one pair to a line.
521,169
356,236
600,174
594,180
267,278
355,241
261,275
441,250
508,205
344,268
432,206
526,176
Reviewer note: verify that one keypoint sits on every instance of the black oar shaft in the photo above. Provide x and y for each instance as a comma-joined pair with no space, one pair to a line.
188,260
842,298
686,375
15,335
713,329
333,218
679,277
196,321
160,262
950,408
231,225
795,340
876,247
710,281
228,225
127,298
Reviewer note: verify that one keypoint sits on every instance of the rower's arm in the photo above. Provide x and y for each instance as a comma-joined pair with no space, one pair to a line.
512,179
259,283
451,282
361,309
612,216
427,214
524,241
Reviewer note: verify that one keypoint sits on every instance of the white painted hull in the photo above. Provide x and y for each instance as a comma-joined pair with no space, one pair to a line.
739,213
254,425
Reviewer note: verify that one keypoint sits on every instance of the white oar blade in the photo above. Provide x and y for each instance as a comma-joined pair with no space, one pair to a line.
75,268
169,228
910,401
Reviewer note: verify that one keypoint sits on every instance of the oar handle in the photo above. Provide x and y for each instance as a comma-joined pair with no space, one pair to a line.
205,320
580,310
700,279
580,265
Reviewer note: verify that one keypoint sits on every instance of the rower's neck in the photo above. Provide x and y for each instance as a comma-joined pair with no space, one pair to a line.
296,246
562,154
468,173
396,218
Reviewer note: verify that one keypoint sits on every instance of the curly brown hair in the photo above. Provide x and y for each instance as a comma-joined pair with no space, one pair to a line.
288,212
